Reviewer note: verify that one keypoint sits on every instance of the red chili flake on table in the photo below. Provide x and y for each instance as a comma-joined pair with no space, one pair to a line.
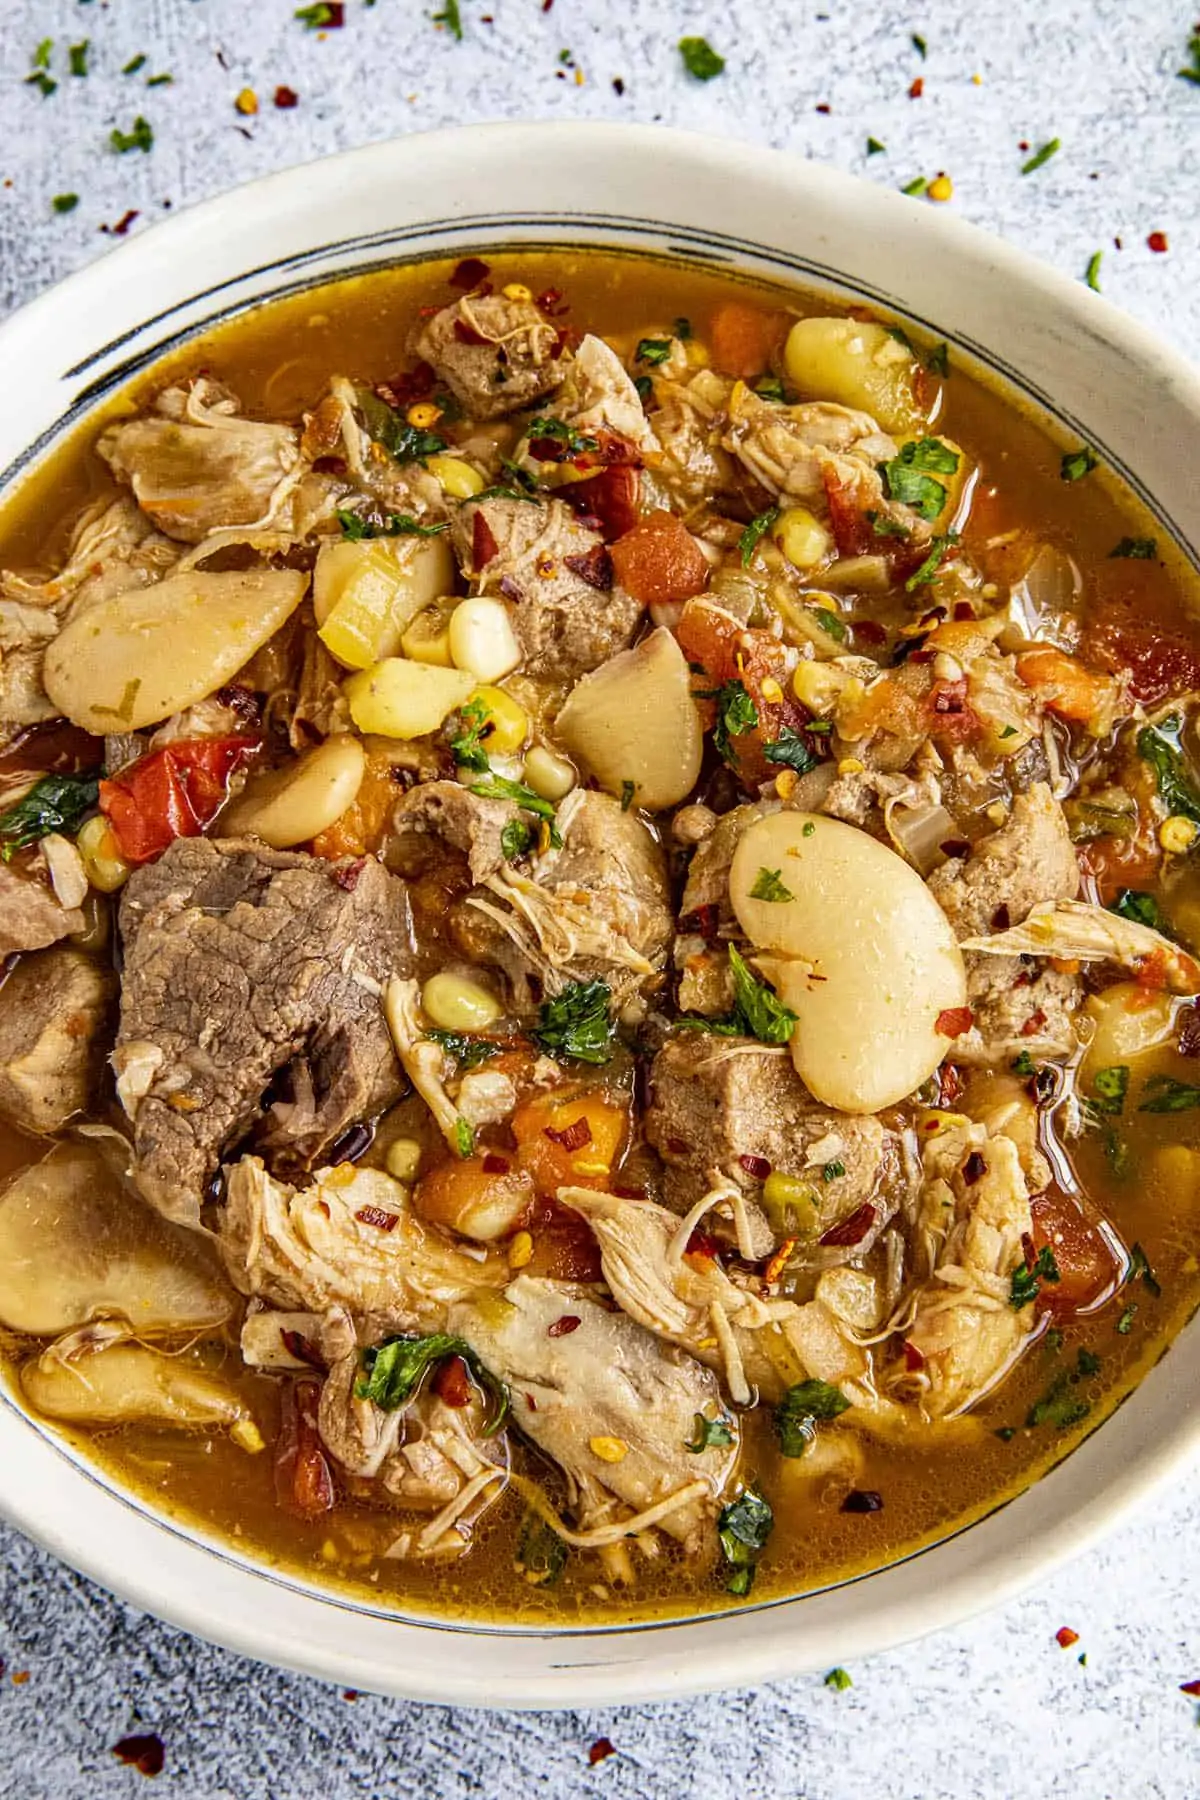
349,1693
546,5
1064,1637
852,1230
618,86
954,1021
757,1166
123,223
494,1164
603,1747
285,97
565,1326
974,1169
573,1136
824,107
863,1500
1191,1688
1157,241
375,1215
469,273
20,1677
145,1754
917,88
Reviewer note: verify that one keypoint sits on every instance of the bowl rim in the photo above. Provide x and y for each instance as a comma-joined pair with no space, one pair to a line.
179,1572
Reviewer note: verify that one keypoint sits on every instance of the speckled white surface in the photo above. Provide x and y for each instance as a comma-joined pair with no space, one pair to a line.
992,1709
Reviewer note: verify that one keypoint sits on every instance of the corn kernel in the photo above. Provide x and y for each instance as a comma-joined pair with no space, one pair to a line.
771,690
785,783
941,188
247,1436
404,1159
850,765
696,354
507,725
457,477
341,1176
516,290
520,1251
424,415
427,639
329,1551
608,1449
997,812
247,102
100,854
551,777
1177,834
802,538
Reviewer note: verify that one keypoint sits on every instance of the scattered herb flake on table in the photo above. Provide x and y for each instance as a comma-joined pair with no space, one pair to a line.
919,45
1092,272
700,59
134,64
451,18
1042,156
838,1680
326,15
141,137
65,203
875,148
1191,71
77,57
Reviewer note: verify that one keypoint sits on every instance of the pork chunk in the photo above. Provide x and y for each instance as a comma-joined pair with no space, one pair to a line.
569,613
495,355
30,915
724,1111
1030,858
1017,1007
470,823
247,967
56,1010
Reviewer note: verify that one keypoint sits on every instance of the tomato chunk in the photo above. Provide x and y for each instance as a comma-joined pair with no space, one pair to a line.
741,338
660,561
1087,1262
173,792
303,1480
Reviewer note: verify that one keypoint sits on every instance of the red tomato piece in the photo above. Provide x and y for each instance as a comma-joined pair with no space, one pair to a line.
1087,1263
660,561
173,792
610,498
303,1482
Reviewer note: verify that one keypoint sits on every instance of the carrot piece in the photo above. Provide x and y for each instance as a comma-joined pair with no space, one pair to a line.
553,1148
660,561
741,338
363,826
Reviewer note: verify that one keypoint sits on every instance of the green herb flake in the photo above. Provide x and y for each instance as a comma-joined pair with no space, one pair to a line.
1139,1269
393,1371
1161,745
1042,156
466,746
77,58
628,790
355,526
157,81
1092,273
652,351
807,829
451,18
498,787
916,186
1025,1284
1143,909
577,1023
1087,1364
770,387
830,623
1109,1088
645,388
1124,1324
768,886
1163,1094
1006,1433
515,839
315,18
1191,71
1023,1064
736,714
929,568
907,477
742,1530
764,1016
41,56
541,1555
54,803
1078,463
140,137
875,148
65,203
468,1052
838,1680
803,1406
557,431
44,84
1058,1406
937,361
790,749
832,1170
134,64
464,1137
1137,549
884,527
709,1434
755,531
700,59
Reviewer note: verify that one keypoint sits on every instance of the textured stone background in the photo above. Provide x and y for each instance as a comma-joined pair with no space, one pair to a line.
995,1708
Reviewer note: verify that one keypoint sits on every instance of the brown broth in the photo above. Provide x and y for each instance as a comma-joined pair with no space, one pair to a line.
278,358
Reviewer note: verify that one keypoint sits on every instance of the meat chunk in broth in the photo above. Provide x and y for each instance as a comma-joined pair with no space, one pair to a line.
494,354
57,1015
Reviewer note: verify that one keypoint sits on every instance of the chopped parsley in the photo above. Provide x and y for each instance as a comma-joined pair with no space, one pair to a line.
838,1680
709,1434
320,17
134,64
884,527
498,787
830,623
54,803
919,45
938,360
770,387
141,137
875,148
1109,1088
755,531
1161,746
77,58
541,1555
790,749
1124,1324
832,1170
700,59
1139,1269
645,388
929,568
578,1023
1027,1278
355,526
736,714
1088,1363
1042,156
393,1371
743,1529
908,476
37,77
757,1013
1058,1406
466,746
1092,273
916,186
1191,71
652,351
1166,1095
404,442
451,18
515,839
464,1137
1136,548
468,1052
1143,909
65,203
1078,463
628,790
558,432
768,886
1023,1064
803,1406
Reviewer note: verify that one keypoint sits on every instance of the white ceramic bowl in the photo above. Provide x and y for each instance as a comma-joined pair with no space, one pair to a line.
725,205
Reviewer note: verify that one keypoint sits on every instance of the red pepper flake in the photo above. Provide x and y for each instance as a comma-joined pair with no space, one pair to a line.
1001,918
618,86
595,566
913,1358
467,334
951,1084
452,1383
123,223
1033,1023
483,542
603,1747
757,1166
1187,1041
546,5
494,1164
303,1480
146,1754
917,88
531,1403
852,1230
1064,1637
704,921
863,1500
20,1677
347,874
375,1215
956,847
297,1345
565,1326
285,98
703,1243
573,1136
350,1694
953,1021
1191,1688
1157,241
551,301
824,107
974,1169
867,631
950,697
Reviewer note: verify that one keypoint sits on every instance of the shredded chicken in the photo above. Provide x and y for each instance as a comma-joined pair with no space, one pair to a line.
1077,930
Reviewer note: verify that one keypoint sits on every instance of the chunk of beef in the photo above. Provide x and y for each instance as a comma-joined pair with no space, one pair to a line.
569,613
726,1112
603,1379
1030,858
56,1018
242,965
495,355
30,915
470,823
